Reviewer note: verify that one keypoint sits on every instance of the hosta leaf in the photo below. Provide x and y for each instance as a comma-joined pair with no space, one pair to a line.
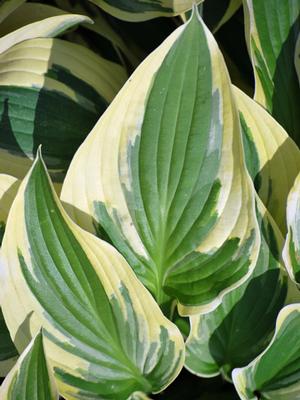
163,177
101,26
275,373
8,353
272,27
272,158
7,7
42,83
141,10
241,327
30,378
28,13
291,251
105,336
48,27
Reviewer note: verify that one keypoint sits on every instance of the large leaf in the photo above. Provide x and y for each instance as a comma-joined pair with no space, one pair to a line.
162,175
241,327
275,373
141,10
272,27
272,158
104,334
48,27
30,378
52,92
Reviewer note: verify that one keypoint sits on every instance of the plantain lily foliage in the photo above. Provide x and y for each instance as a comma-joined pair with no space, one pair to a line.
170,252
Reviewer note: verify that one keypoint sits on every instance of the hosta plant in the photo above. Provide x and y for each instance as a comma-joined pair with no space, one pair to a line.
171,253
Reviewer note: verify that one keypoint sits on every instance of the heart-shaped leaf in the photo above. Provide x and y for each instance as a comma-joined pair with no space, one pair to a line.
162,176
104,335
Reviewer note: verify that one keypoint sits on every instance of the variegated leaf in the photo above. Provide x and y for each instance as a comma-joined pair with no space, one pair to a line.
162,176
272,27
48,27
27,13
30,378
291,251
274,374
8,353
102,27
141,10
242,326
52,92
272,157
104,335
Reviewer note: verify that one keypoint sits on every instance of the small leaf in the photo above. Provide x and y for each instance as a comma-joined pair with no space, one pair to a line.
104,335
274,374
30,378
162,175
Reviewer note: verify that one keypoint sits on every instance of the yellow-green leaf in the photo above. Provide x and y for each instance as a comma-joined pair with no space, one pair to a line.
52,92
8,353
8,190
162,175
272,157
141,10
274,374
31,378
28,13
291,252
242,326
48,27
272,28
104,335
